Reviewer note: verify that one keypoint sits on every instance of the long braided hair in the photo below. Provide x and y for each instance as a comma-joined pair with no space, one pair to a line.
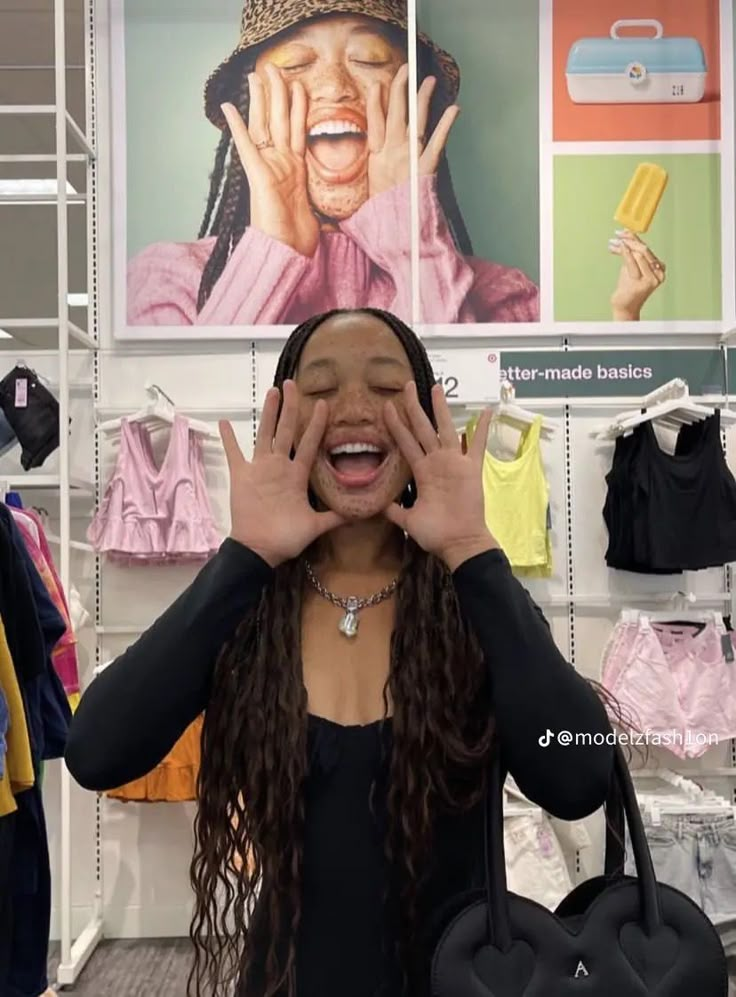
227,211
254,751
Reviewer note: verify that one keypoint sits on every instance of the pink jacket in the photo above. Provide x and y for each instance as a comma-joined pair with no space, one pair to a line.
64,654
366,263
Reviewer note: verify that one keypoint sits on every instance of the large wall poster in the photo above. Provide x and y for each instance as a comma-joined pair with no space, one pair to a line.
638,197
527,153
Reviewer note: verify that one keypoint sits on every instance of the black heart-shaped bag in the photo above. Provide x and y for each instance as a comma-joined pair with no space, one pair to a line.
613,936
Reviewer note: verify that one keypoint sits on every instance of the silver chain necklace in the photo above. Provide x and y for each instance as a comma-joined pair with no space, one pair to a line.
348,625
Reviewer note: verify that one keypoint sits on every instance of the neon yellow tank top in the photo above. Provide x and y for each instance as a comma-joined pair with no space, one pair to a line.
516,496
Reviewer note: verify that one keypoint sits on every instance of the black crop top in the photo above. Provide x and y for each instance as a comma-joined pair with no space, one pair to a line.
668,513
133,713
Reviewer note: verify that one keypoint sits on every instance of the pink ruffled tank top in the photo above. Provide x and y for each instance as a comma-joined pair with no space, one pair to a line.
154,515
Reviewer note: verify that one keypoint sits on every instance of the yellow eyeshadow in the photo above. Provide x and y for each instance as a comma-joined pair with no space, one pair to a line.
285,56
378,51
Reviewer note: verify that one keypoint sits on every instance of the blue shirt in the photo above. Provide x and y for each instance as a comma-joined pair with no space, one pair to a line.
4,721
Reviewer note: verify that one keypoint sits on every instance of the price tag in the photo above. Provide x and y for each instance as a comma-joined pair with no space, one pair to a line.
545,843
469,375
21,392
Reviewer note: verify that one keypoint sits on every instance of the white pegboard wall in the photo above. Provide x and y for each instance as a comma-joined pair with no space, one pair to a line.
146,849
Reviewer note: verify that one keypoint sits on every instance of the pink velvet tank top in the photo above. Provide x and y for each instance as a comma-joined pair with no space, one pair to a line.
153,514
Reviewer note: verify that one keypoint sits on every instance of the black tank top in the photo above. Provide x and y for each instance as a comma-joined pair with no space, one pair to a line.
668,513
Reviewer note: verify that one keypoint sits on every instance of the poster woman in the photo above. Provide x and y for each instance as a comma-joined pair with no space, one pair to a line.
308,207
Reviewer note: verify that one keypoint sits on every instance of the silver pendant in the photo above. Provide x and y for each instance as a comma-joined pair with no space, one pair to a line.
348,625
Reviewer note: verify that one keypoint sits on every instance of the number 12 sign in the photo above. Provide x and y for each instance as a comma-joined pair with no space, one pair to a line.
469,375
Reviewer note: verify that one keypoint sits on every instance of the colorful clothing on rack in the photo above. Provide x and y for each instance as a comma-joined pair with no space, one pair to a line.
34,626
174,780
668,513
155,515
516,495
4,720
17,774
64,654
696,854
535,863
33,414
674,680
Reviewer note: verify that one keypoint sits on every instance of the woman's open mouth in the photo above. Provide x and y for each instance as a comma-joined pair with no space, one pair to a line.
356,467
338,146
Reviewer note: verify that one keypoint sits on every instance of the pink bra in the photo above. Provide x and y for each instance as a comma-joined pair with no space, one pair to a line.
154,515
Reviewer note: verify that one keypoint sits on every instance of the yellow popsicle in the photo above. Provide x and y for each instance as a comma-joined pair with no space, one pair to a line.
641,200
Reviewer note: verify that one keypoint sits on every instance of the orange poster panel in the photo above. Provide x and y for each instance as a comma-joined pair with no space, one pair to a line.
665,86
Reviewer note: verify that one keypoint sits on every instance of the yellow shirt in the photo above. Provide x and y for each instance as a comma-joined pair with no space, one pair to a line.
516,496
18,773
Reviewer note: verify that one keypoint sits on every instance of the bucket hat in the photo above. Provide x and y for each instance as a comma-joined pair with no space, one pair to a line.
263,19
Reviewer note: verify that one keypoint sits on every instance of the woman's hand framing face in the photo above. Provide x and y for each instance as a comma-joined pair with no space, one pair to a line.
269,507
271,149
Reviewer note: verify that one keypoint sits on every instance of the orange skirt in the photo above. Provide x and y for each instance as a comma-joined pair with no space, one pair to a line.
174,780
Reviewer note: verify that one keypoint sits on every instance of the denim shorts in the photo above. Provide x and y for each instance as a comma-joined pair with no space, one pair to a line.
697,855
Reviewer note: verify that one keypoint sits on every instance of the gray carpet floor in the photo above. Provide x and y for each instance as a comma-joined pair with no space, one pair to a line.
132,968
144,968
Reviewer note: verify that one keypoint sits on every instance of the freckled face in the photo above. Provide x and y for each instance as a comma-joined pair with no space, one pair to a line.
337,58
356,364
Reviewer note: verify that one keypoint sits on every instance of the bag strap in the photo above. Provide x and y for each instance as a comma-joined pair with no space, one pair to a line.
499,924
615,854
622,802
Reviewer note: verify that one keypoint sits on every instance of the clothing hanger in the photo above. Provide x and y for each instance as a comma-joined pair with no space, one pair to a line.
683,610
679,615
506,410
657,809
670,405
690,798
679,782
159,408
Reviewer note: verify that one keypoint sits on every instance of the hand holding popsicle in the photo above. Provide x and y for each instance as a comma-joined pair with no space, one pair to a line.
641,271
640,276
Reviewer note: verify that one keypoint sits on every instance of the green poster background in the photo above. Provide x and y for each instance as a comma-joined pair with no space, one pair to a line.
685,235
171,47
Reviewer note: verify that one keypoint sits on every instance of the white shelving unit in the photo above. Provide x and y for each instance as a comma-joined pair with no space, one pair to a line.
46,482
74,954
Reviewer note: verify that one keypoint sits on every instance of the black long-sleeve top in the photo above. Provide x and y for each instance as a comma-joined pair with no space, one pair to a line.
133,713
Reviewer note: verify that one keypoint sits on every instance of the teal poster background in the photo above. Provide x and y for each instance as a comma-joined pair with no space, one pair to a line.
493,147
170,50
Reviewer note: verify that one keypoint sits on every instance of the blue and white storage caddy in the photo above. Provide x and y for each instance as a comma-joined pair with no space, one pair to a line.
636,70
